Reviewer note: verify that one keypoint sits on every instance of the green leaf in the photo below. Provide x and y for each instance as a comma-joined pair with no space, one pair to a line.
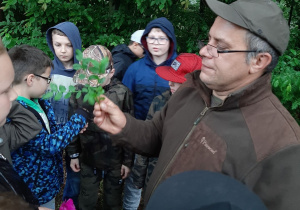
77,66
79,55
44,6
53,87
94,70
103,65
85,62
78,94
95,63
276,84
72,88
289,88
89,18
85,99
294,52
84,90
58,96
32,20
91,100
62,88
81,76
93,77
48,95
6,40
68,95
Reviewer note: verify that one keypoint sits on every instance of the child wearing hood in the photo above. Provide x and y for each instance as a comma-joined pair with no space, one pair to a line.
97,158
159,43
63,40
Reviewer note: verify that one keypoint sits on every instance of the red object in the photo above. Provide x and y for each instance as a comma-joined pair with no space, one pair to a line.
183,64
67,205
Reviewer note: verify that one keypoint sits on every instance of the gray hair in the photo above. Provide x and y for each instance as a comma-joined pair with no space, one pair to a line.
256,43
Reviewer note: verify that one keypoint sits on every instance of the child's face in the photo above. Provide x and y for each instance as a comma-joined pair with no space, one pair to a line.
158,49
40,85
108,78
7,94
138,50
174,86
63,48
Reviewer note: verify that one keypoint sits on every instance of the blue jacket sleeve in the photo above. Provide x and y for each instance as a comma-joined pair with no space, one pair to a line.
49,144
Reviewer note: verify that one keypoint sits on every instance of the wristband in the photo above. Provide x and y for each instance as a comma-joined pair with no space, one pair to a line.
74,156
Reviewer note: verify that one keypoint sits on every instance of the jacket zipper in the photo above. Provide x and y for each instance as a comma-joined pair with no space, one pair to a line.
12,188
202,113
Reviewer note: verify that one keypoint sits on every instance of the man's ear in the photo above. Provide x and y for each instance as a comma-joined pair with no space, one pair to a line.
29,79
260,62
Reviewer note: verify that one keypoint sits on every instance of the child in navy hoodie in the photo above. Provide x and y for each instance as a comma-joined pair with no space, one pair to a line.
63,40
159,42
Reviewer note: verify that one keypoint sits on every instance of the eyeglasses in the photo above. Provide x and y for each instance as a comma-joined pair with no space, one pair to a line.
141,46
160,41
214,52
46,78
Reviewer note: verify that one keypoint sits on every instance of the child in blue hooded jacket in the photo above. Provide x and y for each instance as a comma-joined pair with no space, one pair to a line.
159,42
39,162
63,40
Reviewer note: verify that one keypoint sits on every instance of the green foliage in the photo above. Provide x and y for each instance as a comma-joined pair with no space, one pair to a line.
286,82
111,22
92,94
108,23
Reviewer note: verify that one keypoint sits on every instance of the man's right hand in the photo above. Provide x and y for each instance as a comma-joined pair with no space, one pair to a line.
108,116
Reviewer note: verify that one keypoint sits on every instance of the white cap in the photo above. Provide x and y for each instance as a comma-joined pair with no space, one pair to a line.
136,36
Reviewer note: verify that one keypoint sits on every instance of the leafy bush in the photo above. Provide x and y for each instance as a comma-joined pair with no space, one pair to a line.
111,22
286,82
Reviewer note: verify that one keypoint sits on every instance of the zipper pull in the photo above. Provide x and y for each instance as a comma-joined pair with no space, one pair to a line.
204,111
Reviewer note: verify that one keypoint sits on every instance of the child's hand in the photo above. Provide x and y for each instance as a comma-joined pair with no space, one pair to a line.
74,164
84,128
125,171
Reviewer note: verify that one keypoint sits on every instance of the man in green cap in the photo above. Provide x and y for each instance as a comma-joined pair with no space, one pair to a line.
225,117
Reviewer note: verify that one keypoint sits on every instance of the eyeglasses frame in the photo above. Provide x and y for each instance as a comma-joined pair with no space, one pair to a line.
46,78
156,39
223,51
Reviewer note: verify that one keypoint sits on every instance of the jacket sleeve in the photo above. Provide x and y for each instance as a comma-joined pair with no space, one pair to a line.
21,127
128,156
151,111
276,180
142,137
74,146
139,171
50,144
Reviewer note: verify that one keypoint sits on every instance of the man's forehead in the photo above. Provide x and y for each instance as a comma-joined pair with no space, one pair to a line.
224,31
